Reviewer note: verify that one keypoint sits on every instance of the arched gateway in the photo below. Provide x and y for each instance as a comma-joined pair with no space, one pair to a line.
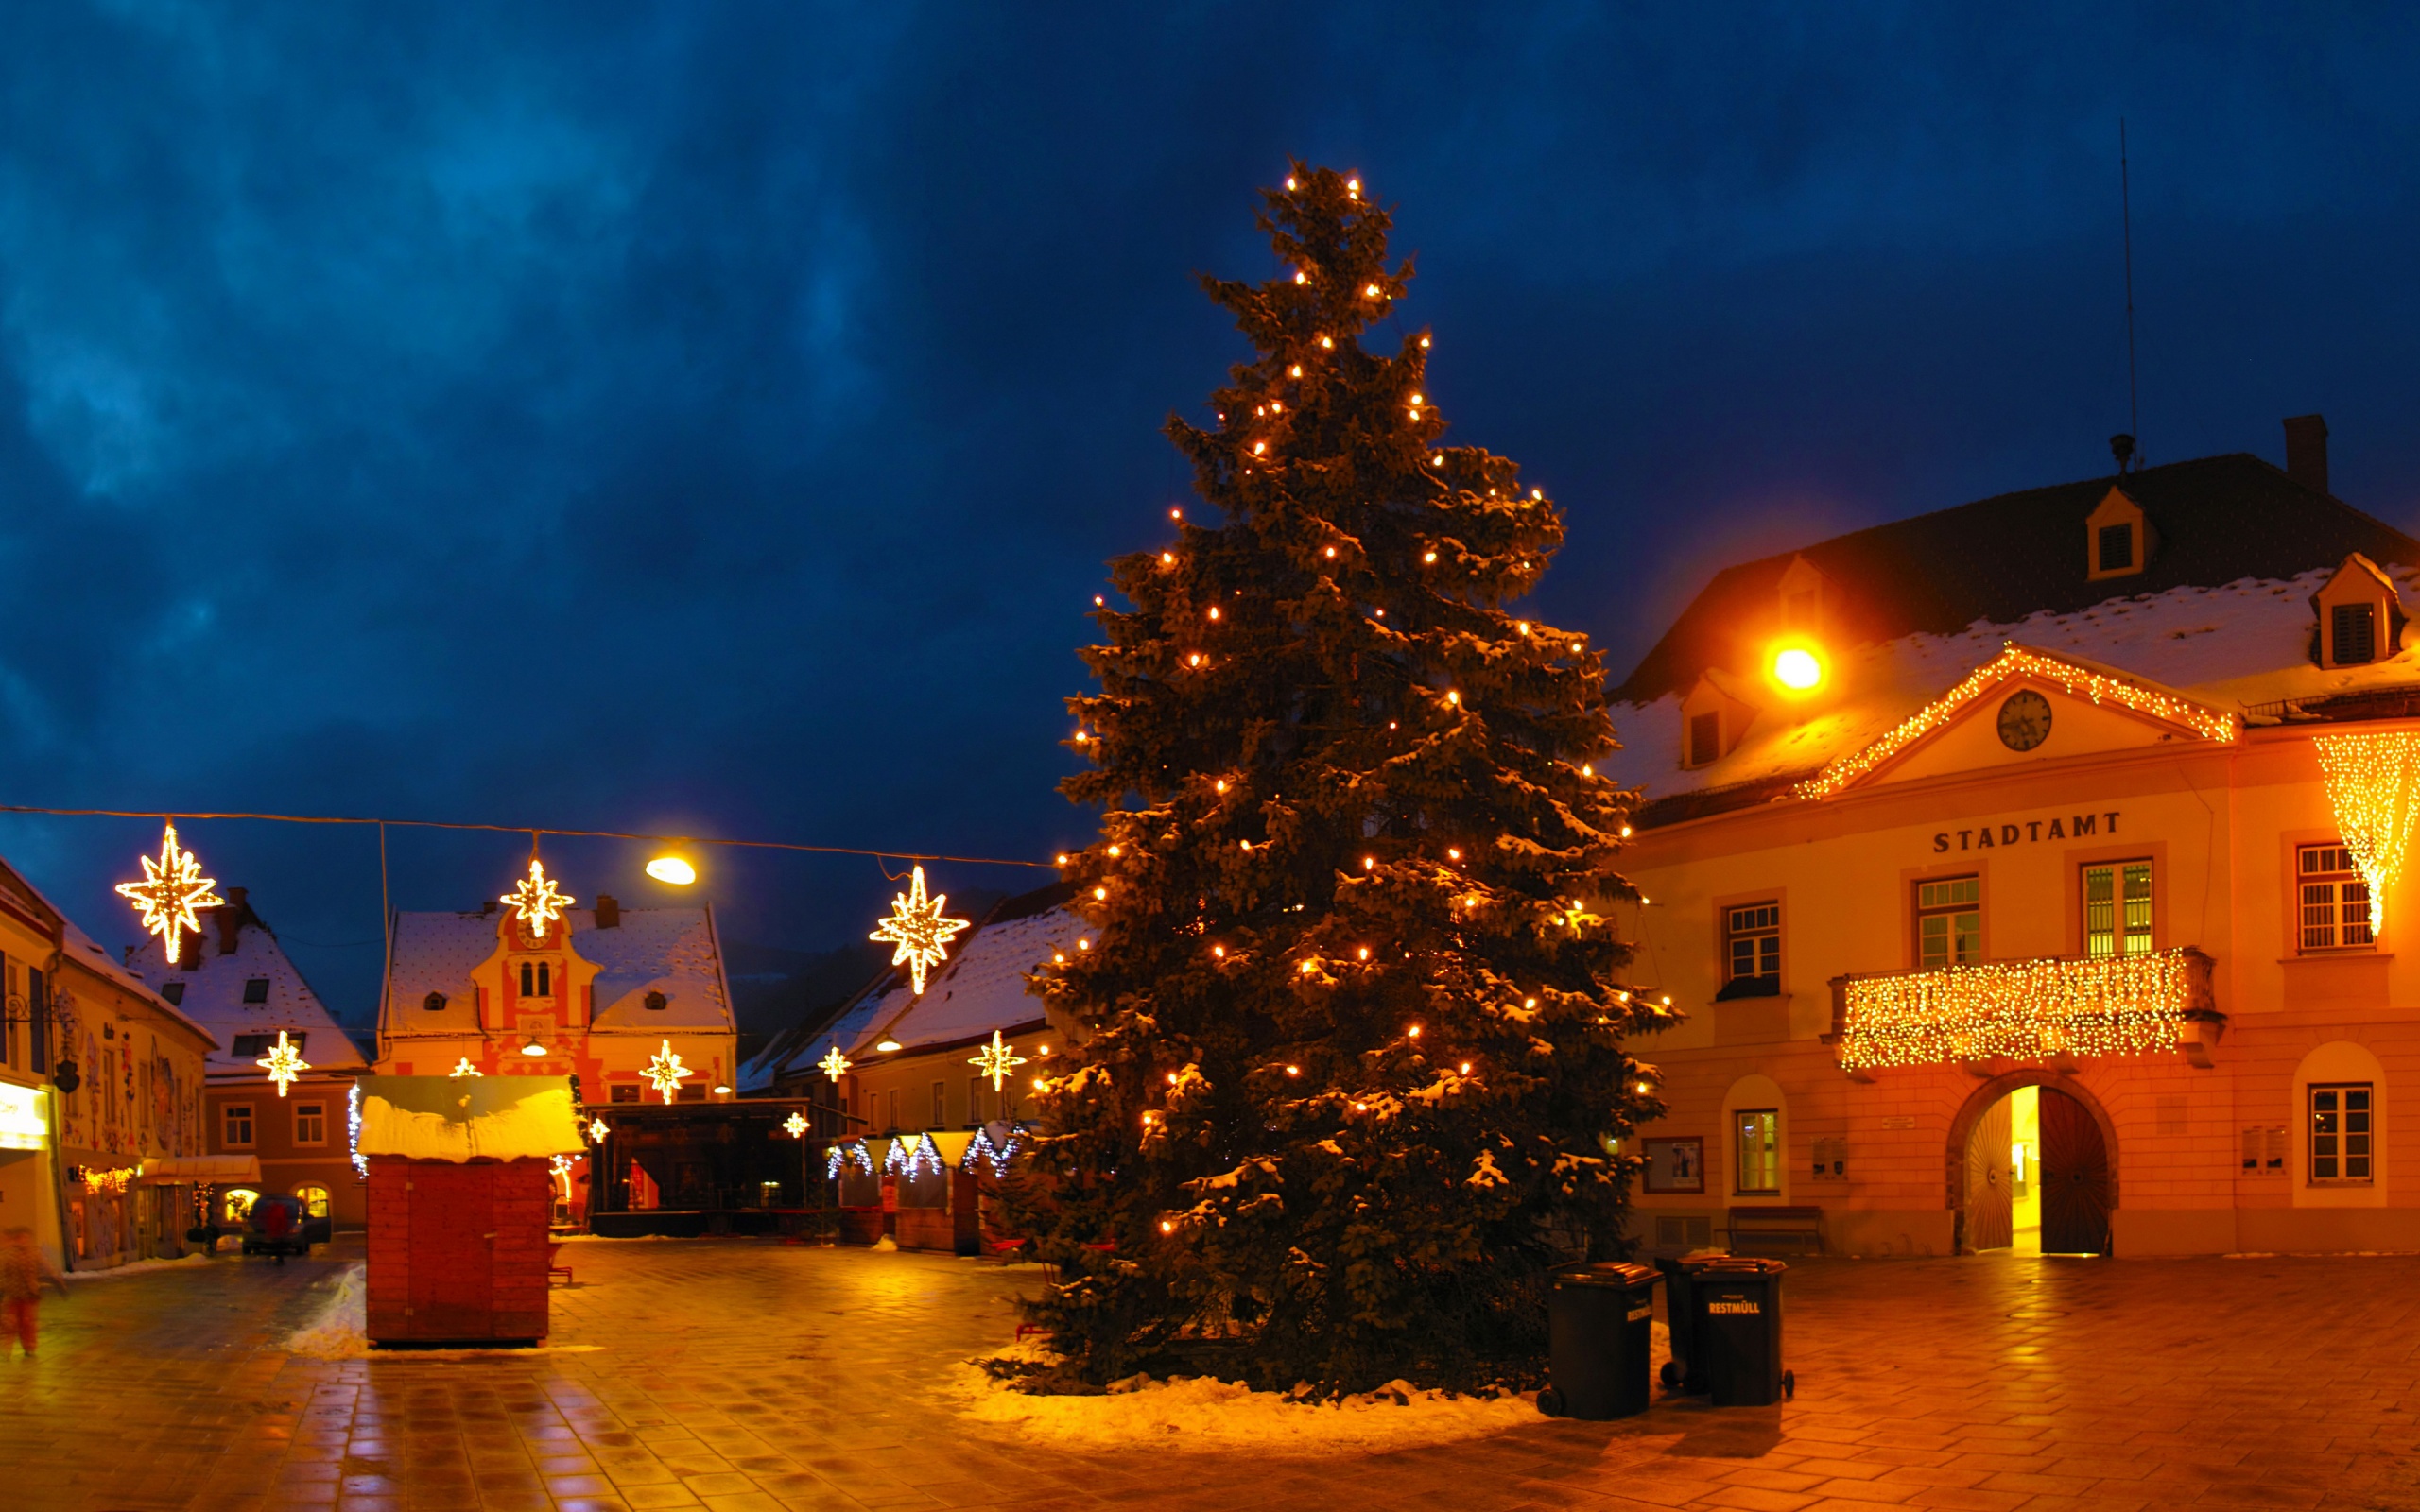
2069,1176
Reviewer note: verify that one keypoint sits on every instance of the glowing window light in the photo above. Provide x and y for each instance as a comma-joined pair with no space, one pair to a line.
285,1063
673,870
917,927
172,888
2374,785
535,900
667,1072
2075,678
2108,1006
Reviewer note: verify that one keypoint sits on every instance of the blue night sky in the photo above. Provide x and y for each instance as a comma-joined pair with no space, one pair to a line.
716,417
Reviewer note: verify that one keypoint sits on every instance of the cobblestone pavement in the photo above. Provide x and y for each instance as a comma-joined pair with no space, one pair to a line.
748,1374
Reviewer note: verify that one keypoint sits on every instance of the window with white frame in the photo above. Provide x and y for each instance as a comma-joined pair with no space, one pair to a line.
1949,921
310,1122
2342,1124
2118,908
974,1100
1751,951
236,1125
2333,898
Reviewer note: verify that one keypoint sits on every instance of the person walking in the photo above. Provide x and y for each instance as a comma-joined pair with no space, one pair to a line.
22,1270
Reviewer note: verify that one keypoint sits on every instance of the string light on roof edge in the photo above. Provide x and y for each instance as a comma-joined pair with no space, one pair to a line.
2017,660
2109,1006
995,1060
917,927
172,888
283,1063
2374,785
535,900
667,1072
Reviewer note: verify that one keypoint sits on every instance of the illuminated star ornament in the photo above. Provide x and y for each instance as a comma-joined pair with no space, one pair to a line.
283,1063
996,1060
597,1129
535,900
172,888
834,1063
917,927
795,1125
464,1068
667,1072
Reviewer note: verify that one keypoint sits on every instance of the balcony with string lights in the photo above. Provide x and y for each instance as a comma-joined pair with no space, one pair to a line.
2047,1009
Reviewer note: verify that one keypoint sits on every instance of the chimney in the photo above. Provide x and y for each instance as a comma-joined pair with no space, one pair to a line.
231,920
608,911
2306,451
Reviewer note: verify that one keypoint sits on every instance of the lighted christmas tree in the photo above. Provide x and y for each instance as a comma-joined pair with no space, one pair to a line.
1353,1068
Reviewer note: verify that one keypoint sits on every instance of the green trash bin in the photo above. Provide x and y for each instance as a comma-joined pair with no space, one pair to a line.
1600,1327
1737,1303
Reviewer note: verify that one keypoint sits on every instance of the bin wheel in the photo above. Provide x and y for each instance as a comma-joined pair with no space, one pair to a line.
1788,1385
1550,1403
1670,1375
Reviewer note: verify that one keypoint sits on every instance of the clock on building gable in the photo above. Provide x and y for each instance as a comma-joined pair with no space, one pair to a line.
2025,720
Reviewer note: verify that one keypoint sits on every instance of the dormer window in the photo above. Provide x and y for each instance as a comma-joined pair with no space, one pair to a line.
434,1003
1714,719
1805,593
2118,538
655,1002
2361,616
174,992
256,989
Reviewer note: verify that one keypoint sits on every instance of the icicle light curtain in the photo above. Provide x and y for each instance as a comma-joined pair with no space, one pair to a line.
2114,1005
2374,785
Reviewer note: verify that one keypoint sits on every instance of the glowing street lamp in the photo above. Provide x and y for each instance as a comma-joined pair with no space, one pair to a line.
1798,668
680,873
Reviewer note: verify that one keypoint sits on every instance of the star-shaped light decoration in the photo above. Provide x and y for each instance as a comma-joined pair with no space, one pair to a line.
597,1129
535,900
996,1060
795,1125
917,927
834,1063
172,888
667,1072
283,1063
464,1068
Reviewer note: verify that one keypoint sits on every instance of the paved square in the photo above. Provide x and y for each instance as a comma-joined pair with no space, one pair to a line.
748,1374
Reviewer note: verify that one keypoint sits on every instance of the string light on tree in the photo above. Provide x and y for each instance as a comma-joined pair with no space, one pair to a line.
283,1063
2374,785
917,927
535,900
995,1060
834,1065
667,1072
172,888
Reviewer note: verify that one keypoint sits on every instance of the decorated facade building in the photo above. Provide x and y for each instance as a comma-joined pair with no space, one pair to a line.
632,1001
284,1134
2032,875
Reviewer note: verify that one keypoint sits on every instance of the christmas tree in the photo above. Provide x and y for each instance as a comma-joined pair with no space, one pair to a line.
1350,1079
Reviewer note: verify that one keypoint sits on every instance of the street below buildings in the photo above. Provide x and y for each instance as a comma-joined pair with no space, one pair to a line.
750,1374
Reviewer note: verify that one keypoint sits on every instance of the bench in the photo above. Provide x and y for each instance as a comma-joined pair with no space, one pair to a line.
1777,1230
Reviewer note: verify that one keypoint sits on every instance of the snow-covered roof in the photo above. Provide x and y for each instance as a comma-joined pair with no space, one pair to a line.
459,1119
211,982
2235,646
90,953
671,951
982,988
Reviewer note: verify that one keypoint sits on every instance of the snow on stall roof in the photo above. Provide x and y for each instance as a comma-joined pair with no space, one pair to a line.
444,1118
982,989
671,951
211,983
2242,644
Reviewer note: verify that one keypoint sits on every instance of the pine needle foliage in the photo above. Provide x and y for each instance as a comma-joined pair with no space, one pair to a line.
1352,1065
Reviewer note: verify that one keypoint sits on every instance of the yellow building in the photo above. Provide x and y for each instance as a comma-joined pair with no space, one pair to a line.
2031,874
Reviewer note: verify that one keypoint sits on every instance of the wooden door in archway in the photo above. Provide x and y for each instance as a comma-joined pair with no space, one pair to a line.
1988,1217
2075,1179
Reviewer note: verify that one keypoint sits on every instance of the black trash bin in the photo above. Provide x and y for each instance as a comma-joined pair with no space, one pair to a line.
1600,1323
1737,1303
1681,1372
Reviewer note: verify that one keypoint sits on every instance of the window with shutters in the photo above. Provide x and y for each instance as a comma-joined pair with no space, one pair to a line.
2332,899
2353,629
2118,908
1706,738
2342,1125
2117,547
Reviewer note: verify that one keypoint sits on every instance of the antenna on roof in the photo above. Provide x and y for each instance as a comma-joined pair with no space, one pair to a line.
2128,452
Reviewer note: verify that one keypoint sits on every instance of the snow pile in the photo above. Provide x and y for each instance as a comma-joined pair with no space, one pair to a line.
1200,1414
340,1330
537,1126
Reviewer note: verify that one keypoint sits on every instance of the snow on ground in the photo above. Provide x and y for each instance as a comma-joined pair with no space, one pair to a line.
1197,1414
138,1267
340,1331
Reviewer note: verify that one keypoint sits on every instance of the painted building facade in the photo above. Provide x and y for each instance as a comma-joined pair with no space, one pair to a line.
238,981
2050,896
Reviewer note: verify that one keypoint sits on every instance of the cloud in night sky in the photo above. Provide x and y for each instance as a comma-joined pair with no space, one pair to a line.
716,417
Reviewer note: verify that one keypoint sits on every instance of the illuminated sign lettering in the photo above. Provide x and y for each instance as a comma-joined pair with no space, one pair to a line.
22,1125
